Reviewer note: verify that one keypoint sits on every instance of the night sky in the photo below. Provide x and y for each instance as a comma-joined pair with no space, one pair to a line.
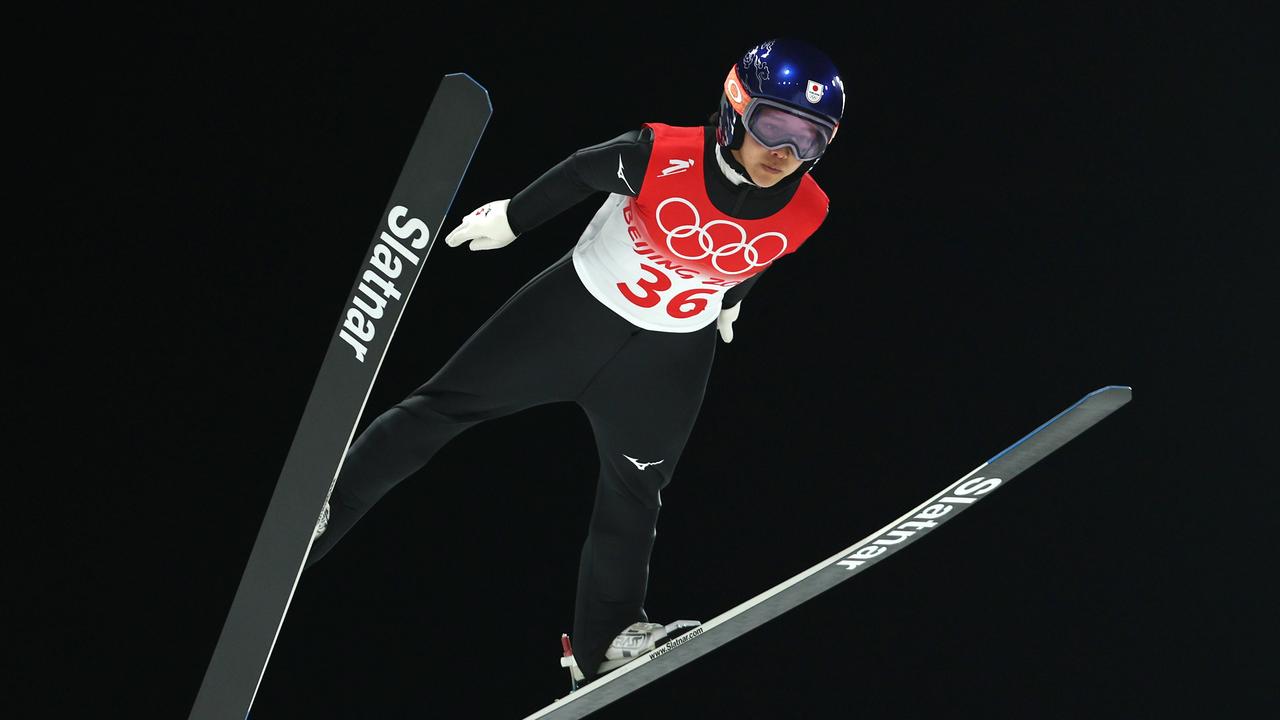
1026,205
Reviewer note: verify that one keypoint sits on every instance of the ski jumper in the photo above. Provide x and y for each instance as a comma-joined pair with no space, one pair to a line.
623,325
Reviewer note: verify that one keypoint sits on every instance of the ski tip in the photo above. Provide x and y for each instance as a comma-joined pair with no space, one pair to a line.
1120,394
462,76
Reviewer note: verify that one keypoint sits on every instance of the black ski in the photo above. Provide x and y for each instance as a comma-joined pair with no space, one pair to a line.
749,615
413,217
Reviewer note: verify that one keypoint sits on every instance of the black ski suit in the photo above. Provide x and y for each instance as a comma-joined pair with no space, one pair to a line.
552,341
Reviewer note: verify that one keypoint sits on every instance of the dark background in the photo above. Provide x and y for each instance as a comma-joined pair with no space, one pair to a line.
1026,205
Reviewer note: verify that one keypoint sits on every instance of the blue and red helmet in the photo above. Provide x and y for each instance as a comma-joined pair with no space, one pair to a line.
784,92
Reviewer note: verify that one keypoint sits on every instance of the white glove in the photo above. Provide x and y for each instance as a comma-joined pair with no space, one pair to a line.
486,228
725,321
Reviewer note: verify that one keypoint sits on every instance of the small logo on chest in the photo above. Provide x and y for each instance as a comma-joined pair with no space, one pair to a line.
676,166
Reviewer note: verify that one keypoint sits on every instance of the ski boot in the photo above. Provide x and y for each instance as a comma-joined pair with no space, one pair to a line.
322,523
639,638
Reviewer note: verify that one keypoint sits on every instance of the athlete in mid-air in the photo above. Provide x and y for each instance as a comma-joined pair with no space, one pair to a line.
624,324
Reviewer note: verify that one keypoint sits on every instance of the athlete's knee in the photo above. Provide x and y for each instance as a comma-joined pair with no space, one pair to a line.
436,407
624,515
644,485
421,409
395,431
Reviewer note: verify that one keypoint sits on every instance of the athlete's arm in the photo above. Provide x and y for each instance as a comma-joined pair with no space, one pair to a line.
731,305
615,166
734,295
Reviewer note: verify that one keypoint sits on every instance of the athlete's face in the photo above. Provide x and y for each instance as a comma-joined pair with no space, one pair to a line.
766,167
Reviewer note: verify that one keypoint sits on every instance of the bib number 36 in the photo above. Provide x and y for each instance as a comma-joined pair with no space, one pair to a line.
683,304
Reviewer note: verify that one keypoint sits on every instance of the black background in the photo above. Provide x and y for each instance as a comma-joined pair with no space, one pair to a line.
1026,205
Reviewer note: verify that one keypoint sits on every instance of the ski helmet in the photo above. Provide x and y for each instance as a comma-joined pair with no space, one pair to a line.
784,92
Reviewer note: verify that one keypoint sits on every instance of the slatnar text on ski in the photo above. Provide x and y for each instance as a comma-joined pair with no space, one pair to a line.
377,284
922,521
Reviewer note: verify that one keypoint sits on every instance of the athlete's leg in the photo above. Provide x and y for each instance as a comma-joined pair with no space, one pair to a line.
642,407
541,346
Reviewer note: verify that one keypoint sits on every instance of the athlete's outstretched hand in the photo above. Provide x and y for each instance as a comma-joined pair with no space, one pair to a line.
725,321
486,228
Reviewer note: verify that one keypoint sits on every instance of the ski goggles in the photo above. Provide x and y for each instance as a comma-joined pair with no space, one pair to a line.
775,125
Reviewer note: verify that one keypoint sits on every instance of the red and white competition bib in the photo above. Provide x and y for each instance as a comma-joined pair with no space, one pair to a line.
664,260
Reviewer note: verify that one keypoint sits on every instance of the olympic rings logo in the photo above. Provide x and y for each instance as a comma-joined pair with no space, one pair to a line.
744,251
